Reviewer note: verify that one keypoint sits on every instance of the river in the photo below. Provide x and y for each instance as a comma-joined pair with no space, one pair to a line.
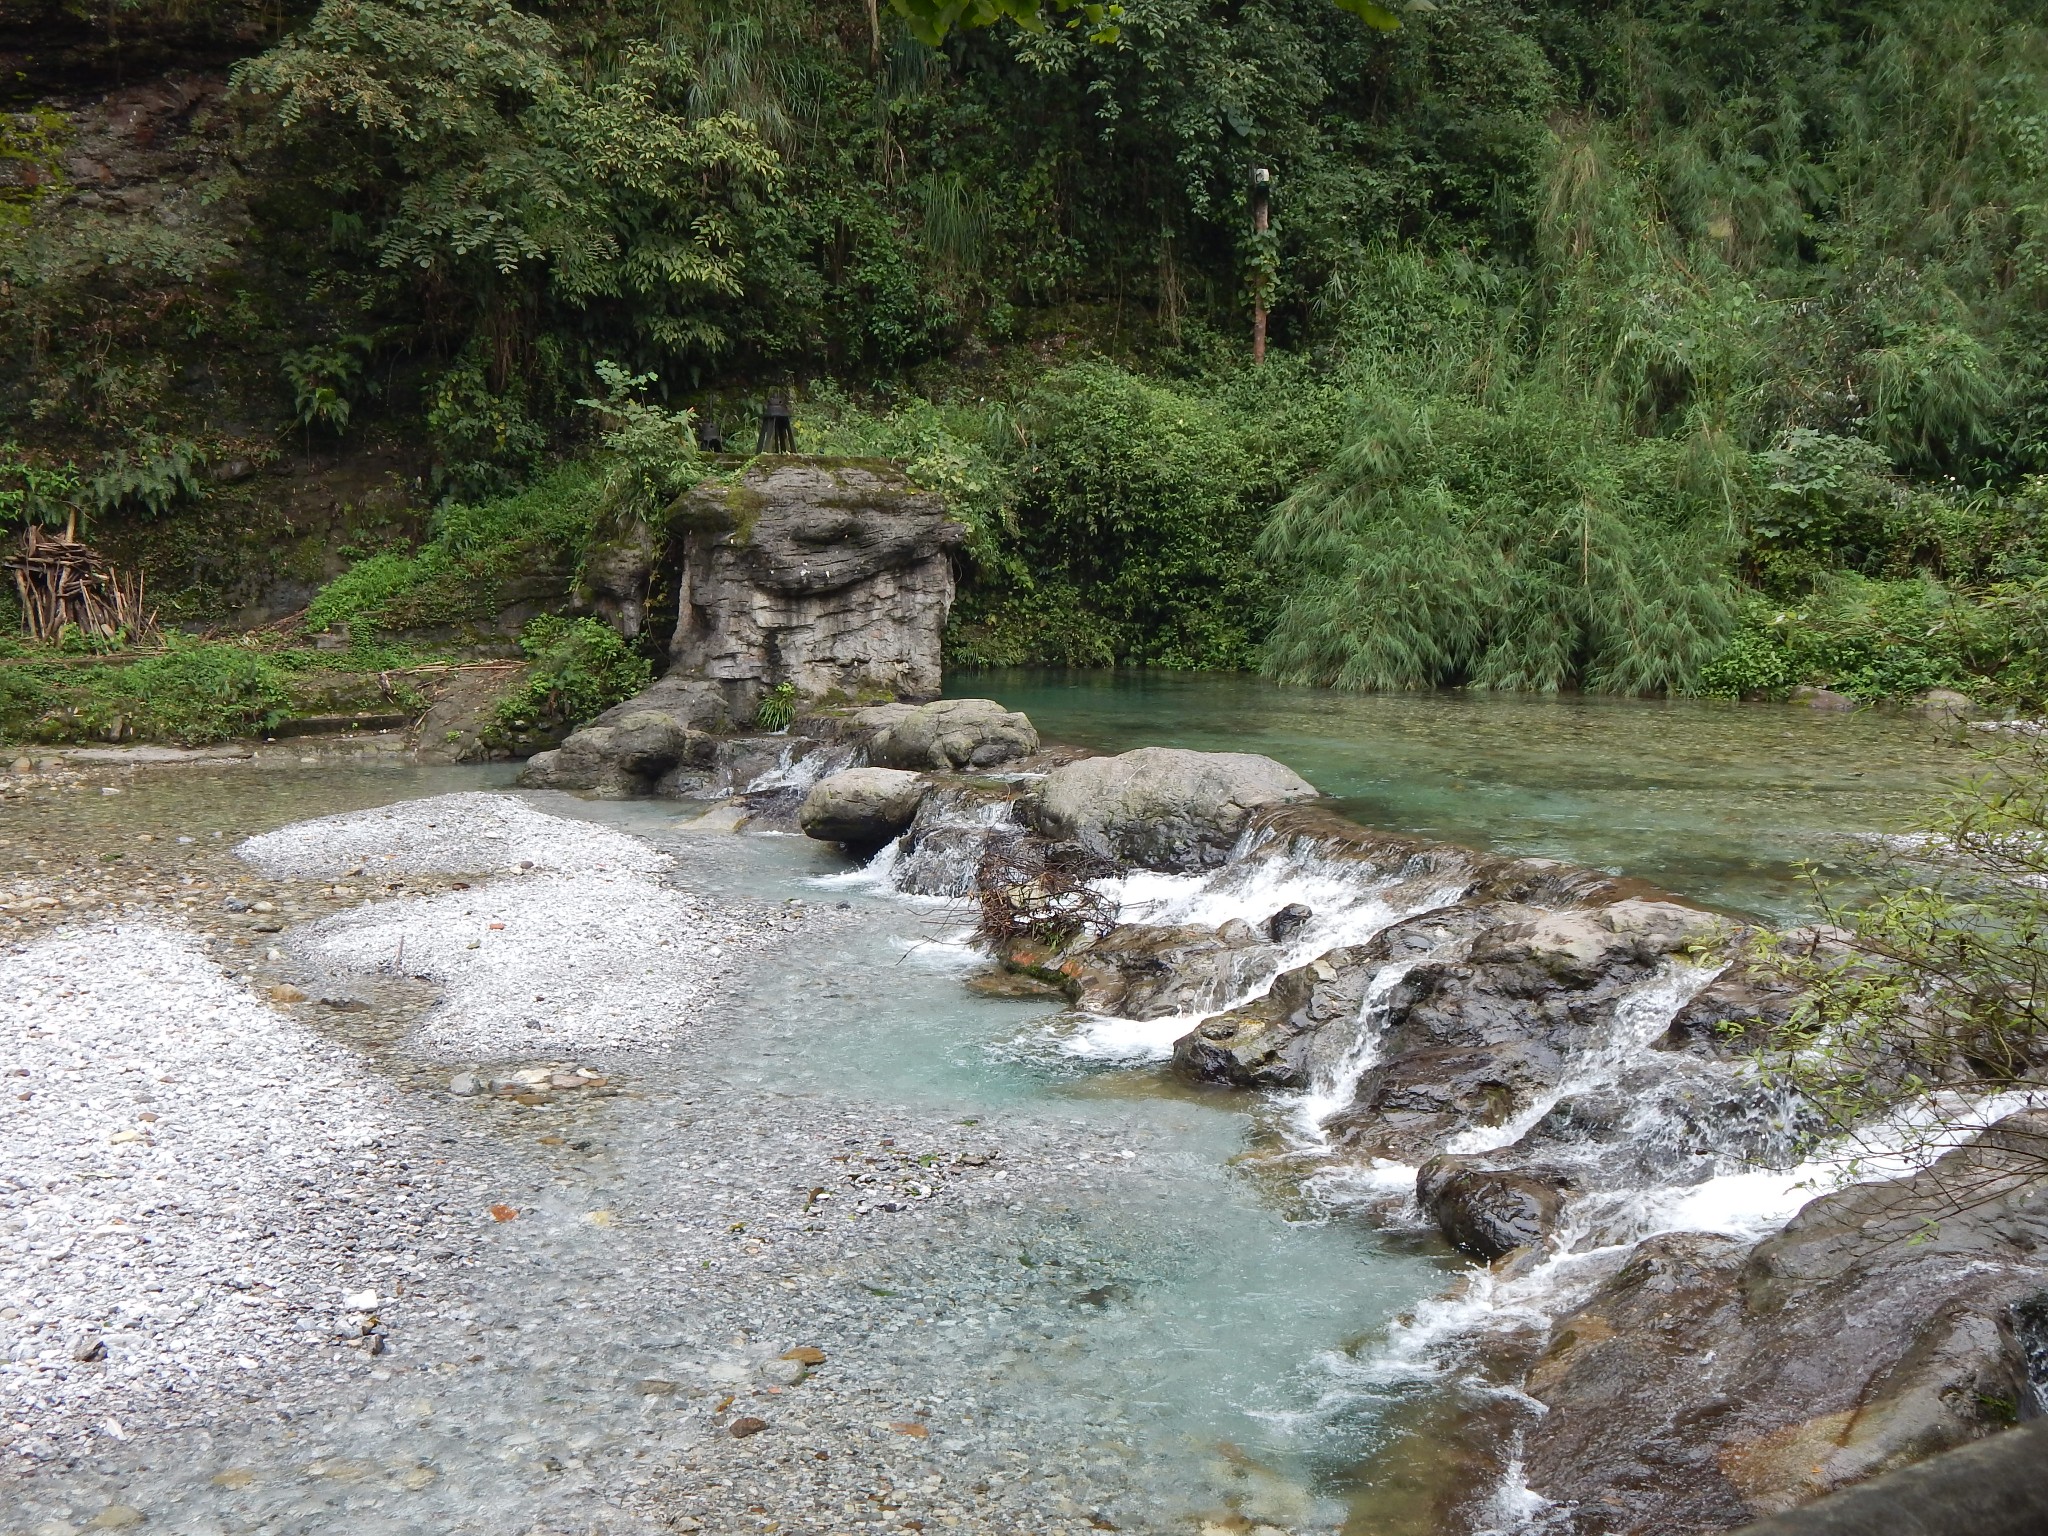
1149,1331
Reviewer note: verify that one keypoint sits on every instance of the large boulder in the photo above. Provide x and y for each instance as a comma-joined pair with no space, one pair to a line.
1707,1383
1484,1026
946,734
861,807
634,747
1272,1041
1161,807
832,575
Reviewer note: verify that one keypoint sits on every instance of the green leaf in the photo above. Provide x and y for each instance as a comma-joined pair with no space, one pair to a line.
1378,17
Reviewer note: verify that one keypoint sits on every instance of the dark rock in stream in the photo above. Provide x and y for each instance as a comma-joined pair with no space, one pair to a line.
1489,1212
1156,970
1283,925
1473,1035
1707,1383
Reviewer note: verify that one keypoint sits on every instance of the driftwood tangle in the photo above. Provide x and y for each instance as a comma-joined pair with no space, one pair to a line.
64,581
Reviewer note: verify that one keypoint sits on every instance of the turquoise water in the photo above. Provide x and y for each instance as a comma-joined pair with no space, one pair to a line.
1717,801
1201,1375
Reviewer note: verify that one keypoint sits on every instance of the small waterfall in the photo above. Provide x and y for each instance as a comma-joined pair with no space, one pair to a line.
1334,1086
1640,1017
798,767
943,848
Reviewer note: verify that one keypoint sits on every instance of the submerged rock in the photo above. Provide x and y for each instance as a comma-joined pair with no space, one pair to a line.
1707,1383
947,734
1160,807
861,807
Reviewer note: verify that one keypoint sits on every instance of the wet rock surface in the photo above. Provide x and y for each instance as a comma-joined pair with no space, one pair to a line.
1709,1382
1489,1212
1476,1034
1156,971
862,807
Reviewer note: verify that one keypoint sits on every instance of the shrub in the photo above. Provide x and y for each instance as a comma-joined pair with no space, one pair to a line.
1933,996
1526,544
580,669
474,552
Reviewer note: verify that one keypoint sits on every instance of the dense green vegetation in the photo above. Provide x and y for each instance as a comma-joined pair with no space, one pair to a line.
1643,347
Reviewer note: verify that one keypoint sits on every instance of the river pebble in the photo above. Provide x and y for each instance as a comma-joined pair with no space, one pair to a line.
666,1300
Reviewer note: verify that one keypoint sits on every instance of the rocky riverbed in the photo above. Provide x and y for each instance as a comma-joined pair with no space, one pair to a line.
460,1163
298,1231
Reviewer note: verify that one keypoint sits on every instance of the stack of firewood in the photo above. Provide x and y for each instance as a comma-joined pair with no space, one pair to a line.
63,581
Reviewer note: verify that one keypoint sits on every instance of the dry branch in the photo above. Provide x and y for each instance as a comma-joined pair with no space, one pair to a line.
64,581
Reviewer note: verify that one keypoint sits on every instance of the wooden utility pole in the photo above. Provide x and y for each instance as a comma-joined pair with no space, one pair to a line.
1262,194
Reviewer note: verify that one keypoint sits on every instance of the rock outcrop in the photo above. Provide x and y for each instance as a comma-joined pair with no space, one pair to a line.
1160,807
1708,1383
832,575
948,734
862,807
1157,970
640,746
1478,1030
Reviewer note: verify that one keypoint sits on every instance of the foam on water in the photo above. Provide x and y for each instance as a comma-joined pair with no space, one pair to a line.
1639,1018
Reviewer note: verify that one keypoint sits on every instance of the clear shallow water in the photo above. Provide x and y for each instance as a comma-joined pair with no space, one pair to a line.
1716,801
1163,1330
1210,1352
1182,1324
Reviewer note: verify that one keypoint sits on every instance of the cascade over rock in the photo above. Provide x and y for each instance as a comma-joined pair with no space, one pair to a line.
1479,1030
1707,1383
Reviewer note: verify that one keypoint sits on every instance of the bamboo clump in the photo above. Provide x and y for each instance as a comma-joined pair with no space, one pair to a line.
62,580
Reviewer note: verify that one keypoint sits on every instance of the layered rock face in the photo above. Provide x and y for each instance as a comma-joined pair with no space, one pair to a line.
1709,1382
832,575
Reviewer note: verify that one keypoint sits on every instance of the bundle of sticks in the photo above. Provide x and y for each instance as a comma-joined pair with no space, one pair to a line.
62,580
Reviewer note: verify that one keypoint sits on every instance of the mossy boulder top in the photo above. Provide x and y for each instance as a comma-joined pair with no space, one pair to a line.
807,525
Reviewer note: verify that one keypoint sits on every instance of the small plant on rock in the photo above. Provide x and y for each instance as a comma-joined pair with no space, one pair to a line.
778,708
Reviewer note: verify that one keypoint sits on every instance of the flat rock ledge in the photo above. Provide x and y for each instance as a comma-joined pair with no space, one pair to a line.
681,739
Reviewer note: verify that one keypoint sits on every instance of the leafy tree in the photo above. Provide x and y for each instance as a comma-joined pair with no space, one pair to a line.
1931,996
494,175
931,20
